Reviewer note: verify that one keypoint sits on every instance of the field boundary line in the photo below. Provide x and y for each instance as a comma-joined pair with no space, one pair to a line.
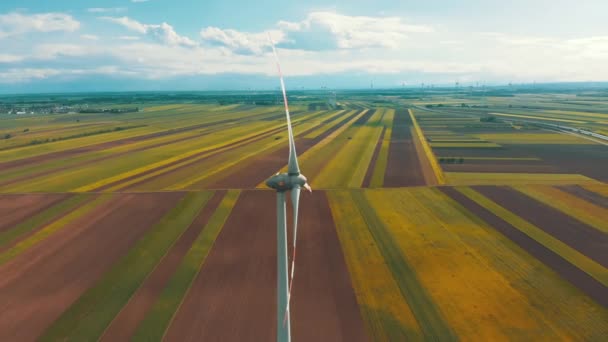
53,227
573,256
211,193
230,197
595,217
41,219
430,156
210,231
430,319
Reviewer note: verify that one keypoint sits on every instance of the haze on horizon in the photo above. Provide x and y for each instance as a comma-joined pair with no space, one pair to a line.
95,45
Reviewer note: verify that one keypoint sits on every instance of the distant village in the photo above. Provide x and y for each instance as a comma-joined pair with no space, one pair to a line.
19,109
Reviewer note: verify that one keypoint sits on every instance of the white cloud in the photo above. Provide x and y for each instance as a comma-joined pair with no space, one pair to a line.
22,75
320,31
16,23
54,51
26,74
163,32
89,37
128,38
353,45
166,34
106,9
326,30
139,1
127,22
8,58
242,42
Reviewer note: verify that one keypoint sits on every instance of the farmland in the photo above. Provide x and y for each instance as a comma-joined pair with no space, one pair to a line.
435,215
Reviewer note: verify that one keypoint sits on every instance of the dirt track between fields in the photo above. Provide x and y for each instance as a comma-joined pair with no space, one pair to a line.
39,284
233,298
16,208
571,273
586,195
126,322
585,239
403,167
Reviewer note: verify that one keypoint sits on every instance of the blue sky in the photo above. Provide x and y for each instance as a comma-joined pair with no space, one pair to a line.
189,45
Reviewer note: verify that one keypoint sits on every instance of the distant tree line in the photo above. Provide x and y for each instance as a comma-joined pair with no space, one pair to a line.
451,160
108,110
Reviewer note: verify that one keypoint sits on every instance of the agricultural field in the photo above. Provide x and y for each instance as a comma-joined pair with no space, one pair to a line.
435,215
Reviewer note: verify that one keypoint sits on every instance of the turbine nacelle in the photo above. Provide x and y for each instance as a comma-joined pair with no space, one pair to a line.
286,181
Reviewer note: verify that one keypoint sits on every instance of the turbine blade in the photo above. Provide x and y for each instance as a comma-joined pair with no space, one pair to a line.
292,164
295,202
307,187
283,321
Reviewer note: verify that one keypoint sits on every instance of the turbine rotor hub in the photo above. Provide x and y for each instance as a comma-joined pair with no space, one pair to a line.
285,181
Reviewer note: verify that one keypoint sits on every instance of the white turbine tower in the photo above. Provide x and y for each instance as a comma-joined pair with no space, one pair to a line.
291,181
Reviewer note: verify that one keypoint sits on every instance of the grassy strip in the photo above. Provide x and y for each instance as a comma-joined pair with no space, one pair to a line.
347,167
491,178
431,322
570,205
41,218
493,158
35,150
153,327
424,225
45,232
570,312
428,151
370,133
538,118
163,162
481,144
384,310
601,189
380,168
571,255
316,156
86,319
334,120
534,138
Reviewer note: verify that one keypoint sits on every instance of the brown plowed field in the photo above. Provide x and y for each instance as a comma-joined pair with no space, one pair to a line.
403,167
588,160
499,167
587,195
16,208
233,298
262,166
125,323
372,164
513,151
571,273
43,281
323,303
587,240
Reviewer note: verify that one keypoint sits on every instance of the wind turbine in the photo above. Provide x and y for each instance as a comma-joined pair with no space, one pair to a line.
291,181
